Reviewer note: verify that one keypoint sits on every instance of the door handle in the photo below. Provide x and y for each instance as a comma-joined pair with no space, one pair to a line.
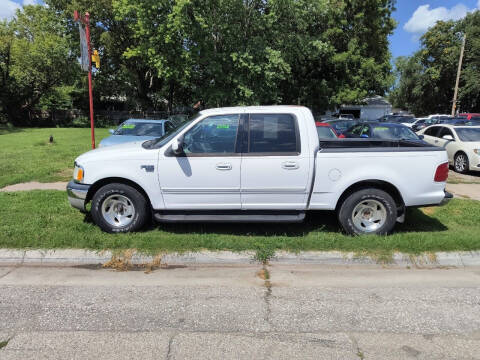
290,165
223,166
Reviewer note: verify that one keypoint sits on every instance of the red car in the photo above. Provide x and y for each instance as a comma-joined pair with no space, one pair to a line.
326,131
469,115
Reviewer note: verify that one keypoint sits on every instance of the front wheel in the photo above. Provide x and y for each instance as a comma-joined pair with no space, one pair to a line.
119,208
368,211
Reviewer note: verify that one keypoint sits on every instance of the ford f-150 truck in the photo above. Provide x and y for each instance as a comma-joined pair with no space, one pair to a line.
257,164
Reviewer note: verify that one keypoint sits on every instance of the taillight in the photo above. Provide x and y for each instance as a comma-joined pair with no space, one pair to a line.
441,174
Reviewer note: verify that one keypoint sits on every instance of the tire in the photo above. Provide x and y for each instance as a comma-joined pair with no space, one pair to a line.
460,163
378,208
119,208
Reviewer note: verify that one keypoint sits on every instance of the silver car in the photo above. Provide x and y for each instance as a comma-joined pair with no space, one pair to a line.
137,130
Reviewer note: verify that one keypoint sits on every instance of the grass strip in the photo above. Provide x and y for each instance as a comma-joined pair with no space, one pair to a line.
44,219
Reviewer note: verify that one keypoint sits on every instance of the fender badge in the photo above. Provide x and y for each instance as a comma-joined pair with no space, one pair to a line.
147,168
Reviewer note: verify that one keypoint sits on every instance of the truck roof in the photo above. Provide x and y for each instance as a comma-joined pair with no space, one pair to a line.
241,109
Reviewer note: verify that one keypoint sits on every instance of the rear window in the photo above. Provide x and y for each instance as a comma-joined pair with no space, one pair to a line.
273,133
324,132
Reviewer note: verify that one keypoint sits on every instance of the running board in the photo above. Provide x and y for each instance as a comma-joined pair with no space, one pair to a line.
241,216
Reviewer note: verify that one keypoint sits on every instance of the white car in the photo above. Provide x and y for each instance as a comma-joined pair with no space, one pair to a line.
257,164
461,142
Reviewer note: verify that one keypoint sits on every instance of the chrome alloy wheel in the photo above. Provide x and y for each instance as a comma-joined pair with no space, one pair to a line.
118,210
460,163
369,215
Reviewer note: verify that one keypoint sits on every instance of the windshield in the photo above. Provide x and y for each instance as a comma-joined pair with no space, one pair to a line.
131,128
468,134
174,130
408,120
324,132
394,132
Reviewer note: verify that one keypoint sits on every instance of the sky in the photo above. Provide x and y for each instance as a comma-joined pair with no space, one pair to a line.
414,17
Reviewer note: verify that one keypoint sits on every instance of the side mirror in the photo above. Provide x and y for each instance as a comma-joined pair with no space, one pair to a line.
421,137
177,146
447,137
111,131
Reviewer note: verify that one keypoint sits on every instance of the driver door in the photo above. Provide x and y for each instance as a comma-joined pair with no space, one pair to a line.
206,175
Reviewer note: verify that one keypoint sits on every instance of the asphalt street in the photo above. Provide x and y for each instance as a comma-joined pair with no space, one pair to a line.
232,312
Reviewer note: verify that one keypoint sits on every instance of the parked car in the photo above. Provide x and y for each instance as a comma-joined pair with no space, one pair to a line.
396,118
382,131
346,116
325,131
137,130
341,125
461,142
452,121
257,164
469,116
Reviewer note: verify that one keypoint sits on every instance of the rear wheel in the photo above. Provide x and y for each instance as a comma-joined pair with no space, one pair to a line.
460,163
119,208
368,211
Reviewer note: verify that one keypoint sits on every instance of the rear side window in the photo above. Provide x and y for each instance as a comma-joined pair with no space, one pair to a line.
445,131
273,133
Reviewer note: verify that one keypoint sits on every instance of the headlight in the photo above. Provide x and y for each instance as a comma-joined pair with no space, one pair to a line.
78,173
476,151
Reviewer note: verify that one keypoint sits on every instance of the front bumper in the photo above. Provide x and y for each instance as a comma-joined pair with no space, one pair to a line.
77,194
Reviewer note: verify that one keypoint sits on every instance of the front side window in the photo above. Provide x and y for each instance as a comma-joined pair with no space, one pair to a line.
431,131
212,135
273,133
469,134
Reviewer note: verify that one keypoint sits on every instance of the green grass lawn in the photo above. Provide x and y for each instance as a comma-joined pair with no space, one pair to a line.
27,154
44,219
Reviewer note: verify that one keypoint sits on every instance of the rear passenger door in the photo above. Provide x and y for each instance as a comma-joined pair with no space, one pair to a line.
274,172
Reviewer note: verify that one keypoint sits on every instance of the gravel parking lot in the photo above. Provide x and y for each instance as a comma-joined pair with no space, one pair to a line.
302,312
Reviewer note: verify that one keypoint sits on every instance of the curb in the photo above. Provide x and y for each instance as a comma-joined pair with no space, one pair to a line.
72,257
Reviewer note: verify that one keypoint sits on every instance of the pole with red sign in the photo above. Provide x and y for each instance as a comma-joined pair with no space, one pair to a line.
86,21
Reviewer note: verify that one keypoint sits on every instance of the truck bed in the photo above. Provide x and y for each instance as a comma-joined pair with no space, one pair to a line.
375,145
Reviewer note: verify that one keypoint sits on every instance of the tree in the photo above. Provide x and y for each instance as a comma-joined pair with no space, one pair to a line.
226,52
35,59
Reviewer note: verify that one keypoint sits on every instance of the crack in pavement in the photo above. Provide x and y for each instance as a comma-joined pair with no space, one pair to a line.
356,349
170,342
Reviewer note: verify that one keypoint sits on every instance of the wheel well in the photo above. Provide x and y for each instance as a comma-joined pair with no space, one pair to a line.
460,152
378,184
97,185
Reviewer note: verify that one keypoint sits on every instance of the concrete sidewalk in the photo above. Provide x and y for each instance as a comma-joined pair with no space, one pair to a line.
69,257
465,191
35,185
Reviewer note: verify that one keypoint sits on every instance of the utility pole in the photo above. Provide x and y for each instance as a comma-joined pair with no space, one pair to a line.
459,70
86,21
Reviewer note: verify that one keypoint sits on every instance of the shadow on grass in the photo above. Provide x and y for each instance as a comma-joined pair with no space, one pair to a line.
5,130
325,221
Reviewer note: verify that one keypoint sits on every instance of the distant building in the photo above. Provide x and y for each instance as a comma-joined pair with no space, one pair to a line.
371,108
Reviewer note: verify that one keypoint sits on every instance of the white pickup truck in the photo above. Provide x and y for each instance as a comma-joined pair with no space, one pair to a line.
257,164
